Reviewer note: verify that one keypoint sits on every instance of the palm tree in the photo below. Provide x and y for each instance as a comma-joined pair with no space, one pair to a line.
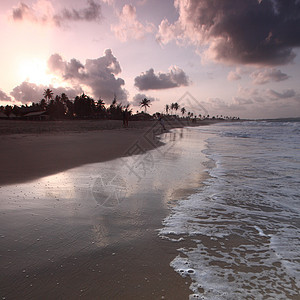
145,103
48,94
64,98
100,104
167,108
172,107
176,106
183,110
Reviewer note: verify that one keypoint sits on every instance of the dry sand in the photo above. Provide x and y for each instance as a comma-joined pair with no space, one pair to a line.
28,156
30,150
135,266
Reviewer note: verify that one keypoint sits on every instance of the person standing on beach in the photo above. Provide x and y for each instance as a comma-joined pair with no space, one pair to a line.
125,118
162,122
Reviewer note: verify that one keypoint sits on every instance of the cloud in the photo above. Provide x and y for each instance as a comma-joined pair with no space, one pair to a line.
217,106
109,2
97,74
90,13
286,94
40,12
4,97
233,75
238,73
68,70
129,27
168,32
28,92
244,32
150,81
251,95
136,100
268,75
242,101
43,12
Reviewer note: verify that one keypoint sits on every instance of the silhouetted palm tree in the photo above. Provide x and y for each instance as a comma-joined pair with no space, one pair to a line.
100,104
84,106
145,103
183,110
176,106
172,107
48,94
64,98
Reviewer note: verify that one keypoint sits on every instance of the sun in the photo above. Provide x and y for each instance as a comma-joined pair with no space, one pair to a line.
34,71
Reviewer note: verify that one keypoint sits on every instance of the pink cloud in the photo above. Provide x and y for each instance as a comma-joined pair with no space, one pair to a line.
43,12
268,75
129,27
98,74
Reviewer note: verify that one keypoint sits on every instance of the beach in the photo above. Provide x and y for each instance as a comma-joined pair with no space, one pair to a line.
30,150
33,149
205,212
80,209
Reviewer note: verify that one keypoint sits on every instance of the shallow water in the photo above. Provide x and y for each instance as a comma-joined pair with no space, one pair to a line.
59,233
244,223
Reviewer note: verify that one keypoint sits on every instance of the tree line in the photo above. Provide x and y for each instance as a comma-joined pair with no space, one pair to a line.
172,109
82,107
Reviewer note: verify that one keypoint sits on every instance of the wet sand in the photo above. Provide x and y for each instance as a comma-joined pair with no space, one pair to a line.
60,237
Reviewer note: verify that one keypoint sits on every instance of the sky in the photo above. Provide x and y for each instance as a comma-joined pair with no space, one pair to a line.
216,57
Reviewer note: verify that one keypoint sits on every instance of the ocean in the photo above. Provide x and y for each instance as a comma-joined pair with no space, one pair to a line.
238,234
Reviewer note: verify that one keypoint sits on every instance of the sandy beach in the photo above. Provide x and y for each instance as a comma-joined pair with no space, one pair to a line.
31,150
61,240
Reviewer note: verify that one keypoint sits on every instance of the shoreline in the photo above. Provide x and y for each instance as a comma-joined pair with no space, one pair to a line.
30,152
15,127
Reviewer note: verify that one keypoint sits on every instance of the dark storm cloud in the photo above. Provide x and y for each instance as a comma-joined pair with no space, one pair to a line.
3,96
43,12
248,32
150,81
98,74
28,92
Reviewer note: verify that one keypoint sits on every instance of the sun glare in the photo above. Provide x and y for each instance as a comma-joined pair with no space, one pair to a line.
34,71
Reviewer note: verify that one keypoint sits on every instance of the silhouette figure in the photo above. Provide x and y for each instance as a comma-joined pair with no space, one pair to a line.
125,118
162,122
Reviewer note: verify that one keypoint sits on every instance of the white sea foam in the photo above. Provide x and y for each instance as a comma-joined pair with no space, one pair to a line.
244,223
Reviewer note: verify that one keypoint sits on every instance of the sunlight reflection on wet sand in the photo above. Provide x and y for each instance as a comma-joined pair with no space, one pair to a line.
96,205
